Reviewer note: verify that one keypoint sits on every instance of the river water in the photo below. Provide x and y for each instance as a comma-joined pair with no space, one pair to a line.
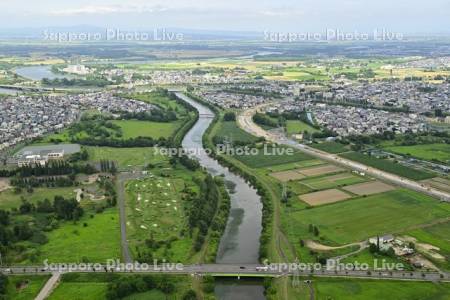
39,72
240,242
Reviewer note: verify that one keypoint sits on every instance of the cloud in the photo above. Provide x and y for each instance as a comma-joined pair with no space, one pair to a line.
108,9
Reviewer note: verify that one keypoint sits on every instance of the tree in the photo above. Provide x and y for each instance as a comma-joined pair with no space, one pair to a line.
229,116
316,231
190,295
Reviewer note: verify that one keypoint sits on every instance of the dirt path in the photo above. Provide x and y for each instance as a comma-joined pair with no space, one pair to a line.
316,246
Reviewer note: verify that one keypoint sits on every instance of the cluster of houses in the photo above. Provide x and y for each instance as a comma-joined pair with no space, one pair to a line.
27,117
388,241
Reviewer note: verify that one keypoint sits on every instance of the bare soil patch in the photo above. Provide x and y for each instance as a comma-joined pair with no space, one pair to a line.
369,188
324,197
285,176
320,170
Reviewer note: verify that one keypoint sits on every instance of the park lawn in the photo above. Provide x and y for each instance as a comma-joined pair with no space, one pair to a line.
23,287
126,157
231,131
271,157
440,152
9,199
79,291
359,289
134,128
388,166
330,147
390,212
155,208
97,242
297,126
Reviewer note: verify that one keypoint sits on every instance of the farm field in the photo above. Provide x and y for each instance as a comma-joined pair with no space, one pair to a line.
271,158
297,126
289,175
360,289
330,147
327,182
9,199
134,128
320,170
126,157
324,197
439,183
388,166
98,241
295,165
22,287
439,152
369,188
389,212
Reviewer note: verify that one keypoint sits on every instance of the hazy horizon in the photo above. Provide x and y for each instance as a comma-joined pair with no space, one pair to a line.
286,15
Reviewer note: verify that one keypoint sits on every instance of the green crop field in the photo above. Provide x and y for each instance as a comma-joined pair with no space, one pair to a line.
382,213
231,131
388,166
296,165
271,157
439,152
98,241
359,289
9,199
126,157
297,126
134,128
331,147
22,287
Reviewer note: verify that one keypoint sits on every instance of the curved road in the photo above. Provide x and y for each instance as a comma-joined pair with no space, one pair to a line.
245,121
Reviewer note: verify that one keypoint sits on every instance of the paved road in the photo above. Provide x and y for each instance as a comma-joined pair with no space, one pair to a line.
49,286
242,270
245,122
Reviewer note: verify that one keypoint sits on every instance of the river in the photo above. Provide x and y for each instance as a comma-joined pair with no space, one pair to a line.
240,242
39,72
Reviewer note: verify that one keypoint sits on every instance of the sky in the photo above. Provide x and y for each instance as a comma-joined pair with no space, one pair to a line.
405,16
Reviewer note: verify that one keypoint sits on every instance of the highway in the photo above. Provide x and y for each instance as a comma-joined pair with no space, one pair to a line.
233,270
245,121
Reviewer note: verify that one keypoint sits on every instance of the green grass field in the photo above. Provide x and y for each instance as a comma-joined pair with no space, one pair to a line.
79,291
232,131
97,242
134,128
297,126
359,289
388,212
388,166
438,236
330,147
155,208
126,157
271,157
24,287
439,152
9,199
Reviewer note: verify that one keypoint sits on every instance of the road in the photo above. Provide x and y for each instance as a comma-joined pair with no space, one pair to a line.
245,121
121,179
49,286
234,270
